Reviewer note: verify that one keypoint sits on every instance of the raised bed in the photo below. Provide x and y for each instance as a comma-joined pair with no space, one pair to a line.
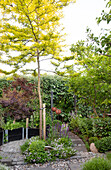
33,132
20,133
15,134
1,136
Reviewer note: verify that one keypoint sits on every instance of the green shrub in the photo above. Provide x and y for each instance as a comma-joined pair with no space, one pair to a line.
0,157
92,139
86,126
36,152
97,164
73,125
102,127
104,144
82,126
3,167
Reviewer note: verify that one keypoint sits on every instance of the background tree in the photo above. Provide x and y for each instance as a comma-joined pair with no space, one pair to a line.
91,81
31,28
90,71
103,41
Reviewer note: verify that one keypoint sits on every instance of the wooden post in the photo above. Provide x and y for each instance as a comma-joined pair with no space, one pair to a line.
14,121
44,122
27,122
51,104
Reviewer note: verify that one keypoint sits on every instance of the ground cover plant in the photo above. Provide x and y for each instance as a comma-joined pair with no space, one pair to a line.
3,167
40,151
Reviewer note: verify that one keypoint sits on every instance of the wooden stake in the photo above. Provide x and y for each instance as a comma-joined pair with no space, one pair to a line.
27,122
44,122
14,121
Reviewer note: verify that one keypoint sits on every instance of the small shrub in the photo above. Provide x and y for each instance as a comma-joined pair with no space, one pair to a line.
36,152
92,139
97,164
0,157
3,167
104,144
102,127
74,126
65,141
24,146
86,126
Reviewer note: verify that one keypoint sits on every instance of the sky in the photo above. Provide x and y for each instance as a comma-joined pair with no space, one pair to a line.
77,17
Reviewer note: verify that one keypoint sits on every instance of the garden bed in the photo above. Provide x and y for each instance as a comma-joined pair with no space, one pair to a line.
15,134
1,136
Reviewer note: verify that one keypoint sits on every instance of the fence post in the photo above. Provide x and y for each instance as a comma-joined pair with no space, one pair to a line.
44,122
6,133
22,132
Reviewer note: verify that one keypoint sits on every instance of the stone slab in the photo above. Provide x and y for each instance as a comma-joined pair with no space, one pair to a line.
8,162
77,141
35,168
81,148
75,166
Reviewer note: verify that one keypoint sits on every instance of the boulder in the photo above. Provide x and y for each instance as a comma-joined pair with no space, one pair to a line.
93,148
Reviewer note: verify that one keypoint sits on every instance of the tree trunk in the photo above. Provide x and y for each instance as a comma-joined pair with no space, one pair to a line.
39,93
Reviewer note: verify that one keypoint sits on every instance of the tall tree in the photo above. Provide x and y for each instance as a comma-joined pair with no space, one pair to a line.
31,28
90,72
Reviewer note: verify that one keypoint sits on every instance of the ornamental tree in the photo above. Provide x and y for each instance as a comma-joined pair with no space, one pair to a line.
18,99
31,28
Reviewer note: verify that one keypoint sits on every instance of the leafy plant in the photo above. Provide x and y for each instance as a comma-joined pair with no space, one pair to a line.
102,127
104,144
92,140
97,164
25,146
10,126
74,125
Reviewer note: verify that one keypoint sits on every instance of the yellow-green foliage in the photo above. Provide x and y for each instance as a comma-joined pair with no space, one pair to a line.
30,28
